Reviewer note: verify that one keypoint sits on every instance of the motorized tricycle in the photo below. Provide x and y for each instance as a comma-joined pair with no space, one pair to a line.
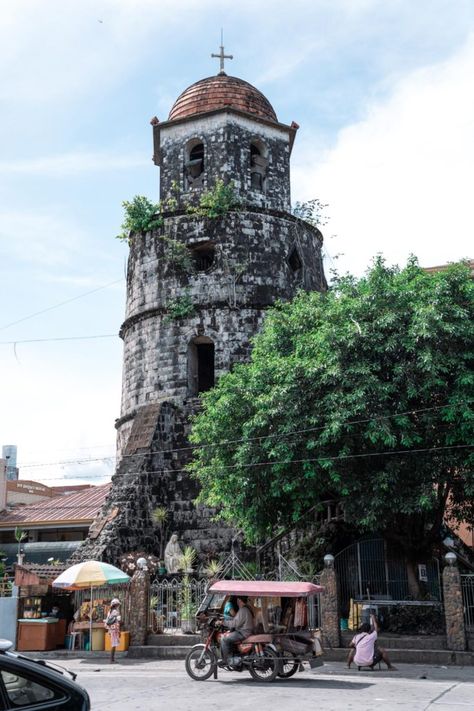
282,641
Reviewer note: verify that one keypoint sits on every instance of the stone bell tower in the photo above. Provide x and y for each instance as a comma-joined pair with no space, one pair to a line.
197,290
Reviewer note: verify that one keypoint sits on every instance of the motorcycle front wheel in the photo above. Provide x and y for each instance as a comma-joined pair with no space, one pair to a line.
265,667
200,663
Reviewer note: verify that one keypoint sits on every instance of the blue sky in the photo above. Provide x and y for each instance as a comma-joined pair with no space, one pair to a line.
383,93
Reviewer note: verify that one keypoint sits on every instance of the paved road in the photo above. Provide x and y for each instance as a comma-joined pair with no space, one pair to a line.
140,685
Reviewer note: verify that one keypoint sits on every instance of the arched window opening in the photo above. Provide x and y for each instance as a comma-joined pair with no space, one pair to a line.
200,365
294,260
194,165
203,256
258,166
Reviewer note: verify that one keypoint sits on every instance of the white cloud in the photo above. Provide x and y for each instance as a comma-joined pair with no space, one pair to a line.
62,399
285,62
73,163
56,50
400,181
39,238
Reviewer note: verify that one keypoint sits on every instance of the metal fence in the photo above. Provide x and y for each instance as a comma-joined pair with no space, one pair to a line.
366,570
467,586
175,600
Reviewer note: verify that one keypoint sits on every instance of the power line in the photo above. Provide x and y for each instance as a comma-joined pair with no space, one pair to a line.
62,303
284,461
65,338
245,439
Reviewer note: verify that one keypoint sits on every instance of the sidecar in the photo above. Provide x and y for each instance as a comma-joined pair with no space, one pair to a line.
281,614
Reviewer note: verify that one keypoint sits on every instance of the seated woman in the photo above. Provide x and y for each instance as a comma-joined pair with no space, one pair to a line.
230,608
364,652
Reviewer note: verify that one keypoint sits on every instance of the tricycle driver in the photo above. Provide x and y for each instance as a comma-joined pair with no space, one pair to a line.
241,626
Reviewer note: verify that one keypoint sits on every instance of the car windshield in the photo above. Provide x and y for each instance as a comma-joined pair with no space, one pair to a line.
212,603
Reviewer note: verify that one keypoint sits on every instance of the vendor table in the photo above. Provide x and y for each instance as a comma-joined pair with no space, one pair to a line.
40,635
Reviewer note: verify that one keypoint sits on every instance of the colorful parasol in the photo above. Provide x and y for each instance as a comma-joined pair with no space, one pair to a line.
90,573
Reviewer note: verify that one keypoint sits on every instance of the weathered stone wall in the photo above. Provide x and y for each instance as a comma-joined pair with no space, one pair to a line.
250,271
453,609
140,597
255,243
227,138
151,476
330,606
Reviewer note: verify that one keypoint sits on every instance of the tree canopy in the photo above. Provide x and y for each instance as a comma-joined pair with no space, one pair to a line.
363,394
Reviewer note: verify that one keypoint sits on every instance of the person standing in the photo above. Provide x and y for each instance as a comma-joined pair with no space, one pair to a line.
112,625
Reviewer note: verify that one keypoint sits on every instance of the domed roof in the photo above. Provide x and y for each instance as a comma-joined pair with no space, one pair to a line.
221,92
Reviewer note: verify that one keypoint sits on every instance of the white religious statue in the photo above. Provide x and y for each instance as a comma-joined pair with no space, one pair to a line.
173,554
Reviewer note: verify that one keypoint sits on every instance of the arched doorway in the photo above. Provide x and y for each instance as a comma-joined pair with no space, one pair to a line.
200,365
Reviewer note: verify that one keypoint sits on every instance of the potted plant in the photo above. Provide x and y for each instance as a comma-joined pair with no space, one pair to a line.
188,607
188,610
212,570
188,559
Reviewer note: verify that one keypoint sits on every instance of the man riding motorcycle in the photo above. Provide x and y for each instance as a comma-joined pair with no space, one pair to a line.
241,626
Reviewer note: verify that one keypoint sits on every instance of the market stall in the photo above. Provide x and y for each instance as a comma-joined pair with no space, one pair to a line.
43,614
89,578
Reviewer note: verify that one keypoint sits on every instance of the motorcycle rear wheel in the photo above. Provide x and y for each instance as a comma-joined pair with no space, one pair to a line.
266,667
288,667
200,663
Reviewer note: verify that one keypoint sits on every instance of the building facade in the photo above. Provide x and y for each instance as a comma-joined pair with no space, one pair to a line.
9,454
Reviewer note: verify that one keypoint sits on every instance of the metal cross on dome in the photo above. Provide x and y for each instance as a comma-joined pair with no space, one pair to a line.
222,56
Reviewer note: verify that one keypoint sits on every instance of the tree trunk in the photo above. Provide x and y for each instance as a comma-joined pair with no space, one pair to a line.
414,588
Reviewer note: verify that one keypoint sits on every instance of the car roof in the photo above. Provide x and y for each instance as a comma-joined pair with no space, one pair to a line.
265,588
11,661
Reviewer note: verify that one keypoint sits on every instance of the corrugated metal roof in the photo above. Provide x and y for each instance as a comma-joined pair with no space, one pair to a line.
39,552
46,571
82,508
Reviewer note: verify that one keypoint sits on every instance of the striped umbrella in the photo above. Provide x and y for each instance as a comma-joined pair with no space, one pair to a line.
90,574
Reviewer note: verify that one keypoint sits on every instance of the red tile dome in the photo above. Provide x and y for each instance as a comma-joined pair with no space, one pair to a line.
221,92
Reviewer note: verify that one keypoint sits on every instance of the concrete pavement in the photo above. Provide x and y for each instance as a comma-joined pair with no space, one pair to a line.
149,685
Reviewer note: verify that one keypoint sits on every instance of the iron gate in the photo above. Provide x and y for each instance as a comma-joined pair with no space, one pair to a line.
467,586
175,600
365,570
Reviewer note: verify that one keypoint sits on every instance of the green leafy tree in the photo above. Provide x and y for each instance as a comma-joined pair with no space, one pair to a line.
141,215
20,536
364,394
216,202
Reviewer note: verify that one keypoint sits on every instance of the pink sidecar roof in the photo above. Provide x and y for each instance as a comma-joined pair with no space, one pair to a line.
264,588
